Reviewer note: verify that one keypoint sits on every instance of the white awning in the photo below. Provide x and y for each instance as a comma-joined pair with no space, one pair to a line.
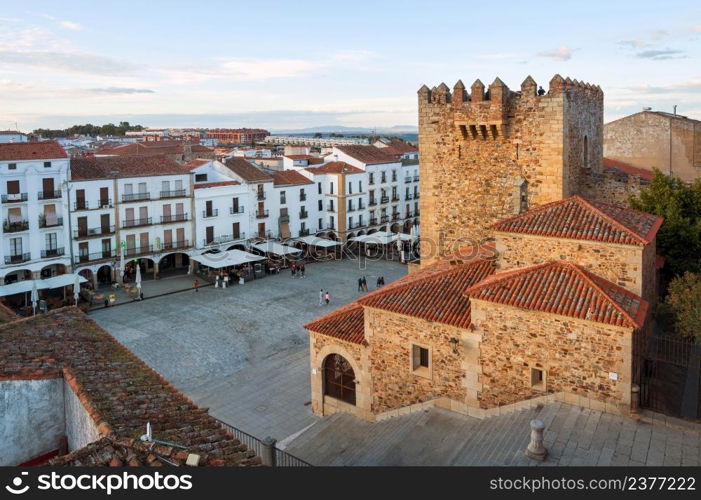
225,259
275,248
318,242
378,238
404,237
45,284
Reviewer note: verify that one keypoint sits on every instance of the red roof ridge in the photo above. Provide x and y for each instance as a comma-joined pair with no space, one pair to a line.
611,219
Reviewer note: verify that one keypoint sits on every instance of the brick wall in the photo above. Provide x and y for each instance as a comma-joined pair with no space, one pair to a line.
576,355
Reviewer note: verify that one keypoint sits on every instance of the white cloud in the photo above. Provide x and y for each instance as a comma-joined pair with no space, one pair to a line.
71,25
71,62
561,53
267,69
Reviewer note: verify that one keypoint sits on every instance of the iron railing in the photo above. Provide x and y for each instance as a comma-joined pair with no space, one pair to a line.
136,197
15,227
50,222
132,252
260,195
279,458
223,238
93,231
211,213
173,218
178,193
261,214
85,205
17,258
52,252
49,195
14,198
90,257
384,199
304,232
236,210
303,215
146,221
176,245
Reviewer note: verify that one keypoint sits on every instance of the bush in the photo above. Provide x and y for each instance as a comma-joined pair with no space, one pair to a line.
684,302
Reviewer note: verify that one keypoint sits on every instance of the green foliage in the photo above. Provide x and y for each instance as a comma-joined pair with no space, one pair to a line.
679,238
684,301
90,130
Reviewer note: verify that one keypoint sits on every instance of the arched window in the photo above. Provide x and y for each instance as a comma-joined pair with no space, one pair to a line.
339,378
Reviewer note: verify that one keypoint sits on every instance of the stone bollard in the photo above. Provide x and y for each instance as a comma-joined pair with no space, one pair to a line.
267,454
535,449
635,399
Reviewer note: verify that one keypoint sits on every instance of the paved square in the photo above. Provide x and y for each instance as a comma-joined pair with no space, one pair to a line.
242,352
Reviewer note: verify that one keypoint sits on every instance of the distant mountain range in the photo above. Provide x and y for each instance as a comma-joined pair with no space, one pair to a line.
339,129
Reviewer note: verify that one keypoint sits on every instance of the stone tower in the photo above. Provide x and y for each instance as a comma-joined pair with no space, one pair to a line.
488,155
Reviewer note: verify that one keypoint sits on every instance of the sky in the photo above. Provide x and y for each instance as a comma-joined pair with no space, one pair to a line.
298,64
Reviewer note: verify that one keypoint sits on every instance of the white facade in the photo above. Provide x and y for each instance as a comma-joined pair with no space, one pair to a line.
8,136
34,210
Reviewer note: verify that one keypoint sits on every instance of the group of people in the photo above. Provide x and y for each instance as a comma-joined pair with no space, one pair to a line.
363,283
324,297
298,270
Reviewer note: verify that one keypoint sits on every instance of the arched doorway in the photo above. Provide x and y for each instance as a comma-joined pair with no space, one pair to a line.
339,379
53,270
174,264
394,228
19,275
407,227
104,275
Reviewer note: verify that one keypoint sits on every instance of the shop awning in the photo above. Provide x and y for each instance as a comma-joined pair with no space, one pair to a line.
318,242
45,284
226,259
378,238
275,248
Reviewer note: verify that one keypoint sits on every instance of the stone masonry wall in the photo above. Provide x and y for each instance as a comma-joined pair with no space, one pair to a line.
395,385
620,264
476,149
612,187
577,356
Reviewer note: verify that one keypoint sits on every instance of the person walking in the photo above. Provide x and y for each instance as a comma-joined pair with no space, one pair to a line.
378,283
226,280
365,284
360,285
196,285
216,281
321,297
303,268
327,297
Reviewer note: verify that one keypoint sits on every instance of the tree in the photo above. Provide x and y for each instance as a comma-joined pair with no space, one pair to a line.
679,238
684,301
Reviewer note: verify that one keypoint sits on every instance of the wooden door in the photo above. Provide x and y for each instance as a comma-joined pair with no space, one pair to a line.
104,197
209,237
82,226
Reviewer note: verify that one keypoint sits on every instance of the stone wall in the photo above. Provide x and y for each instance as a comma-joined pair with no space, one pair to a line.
647,140
477,149
623,265
612,187
577,356
32,419
395,384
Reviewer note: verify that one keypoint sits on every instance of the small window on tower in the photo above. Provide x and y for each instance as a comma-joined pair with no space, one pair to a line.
421,361
538,379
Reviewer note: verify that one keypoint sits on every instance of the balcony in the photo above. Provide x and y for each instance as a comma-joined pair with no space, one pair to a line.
371,181
92,232
50,222
176,245
283,219
18,258
208,214
85,205
395,216
384,218
91,257
260,195
395,197
147,221
302,197
351,209
416,178
383,180
384,199
15,227
373,221
330,208
261,214
372,202
408,180
304,232
52,252
408,196
408,214
165,219
14,198
49,195
224,238
126,198
236,210
303,215
410,161
178,193
136,251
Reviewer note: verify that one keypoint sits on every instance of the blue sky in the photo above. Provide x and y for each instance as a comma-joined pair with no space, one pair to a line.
299,64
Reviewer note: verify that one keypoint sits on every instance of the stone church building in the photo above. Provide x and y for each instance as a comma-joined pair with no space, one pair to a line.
535,278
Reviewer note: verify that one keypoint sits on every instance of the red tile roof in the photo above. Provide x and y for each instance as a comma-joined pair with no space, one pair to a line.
118,390
289,178
627,168
566,289
203,185
246,171
45,150
192,165
369,155
581,219
345,323
108,167
336,167
398,148
153,148
437,297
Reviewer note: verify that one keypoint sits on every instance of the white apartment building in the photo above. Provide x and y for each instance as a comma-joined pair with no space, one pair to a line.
12,136
297,209
35,238
222,206
141,206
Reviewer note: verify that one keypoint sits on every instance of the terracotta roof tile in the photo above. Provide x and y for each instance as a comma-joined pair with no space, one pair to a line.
438,297
246,171
203,185
345,323
289,178
192,165
45,150
398,148
102,167
566,289
627,168
369,155
118,390
336,167
581,219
